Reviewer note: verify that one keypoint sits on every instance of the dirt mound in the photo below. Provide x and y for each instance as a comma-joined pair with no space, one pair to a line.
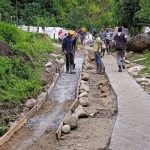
5,49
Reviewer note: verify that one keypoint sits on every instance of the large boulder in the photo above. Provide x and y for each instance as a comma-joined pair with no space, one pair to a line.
139,42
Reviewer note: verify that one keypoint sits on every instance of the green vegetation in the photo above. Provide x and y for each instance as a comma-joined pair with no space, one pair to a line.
64,13
3,129
20,73
133,14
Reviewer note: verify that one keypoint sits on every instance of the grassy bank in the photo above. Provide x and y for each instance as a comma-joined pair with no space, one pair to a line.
20,73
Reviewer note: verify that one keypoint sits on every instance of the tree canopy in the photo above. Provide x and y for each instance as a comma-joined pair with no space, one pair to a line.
77,13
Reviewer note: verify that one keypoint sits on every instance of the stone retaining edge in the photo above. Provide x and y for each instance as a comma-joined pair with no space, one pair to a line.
74,105
23,120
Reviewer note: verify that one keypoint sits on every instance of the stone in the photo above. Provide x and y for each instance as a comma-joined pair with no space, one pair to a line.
84,94
66,129
85,76
139,43
30,103
102,90
84,87
72,120
54,55
81,91
62,61
89,66
25,109
129,55
84,101
104,95
47,70
57,61
49,64
135,70
143,80
79,111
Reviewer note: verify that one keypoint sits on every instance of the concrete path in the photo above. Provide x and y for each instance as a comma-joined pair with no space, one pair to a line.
132,127
66,85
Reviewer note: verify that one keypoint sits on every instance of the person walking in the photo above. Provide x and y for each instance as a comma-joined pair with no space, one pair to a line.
67,48
107,41
120,44
97,49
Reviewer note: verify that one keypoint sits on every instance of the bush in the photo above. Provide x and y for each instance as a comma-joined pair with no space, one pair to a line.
19,79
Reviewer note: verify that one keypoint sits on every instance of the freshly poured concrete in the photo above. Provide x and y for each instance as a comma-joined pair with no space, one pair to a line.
132,127
66,84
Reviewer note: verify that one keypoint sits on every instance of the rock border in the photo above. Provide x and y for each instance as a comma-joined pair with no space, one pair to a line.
24,119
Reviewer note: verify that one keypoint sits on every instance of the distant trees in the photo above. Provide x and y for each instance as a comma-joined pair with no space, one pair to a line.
144,13
76,13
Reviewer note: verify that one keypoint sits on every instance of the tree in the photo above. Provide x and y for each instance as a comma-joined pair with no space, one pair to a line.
5,10
143,14
125,12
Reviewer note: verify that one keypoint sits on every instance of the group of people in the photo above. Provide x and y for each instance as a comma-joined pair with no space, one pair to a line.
102,42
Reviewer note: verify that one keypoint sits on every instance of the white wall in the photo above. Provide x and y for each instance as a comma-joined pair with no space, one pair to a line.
51,31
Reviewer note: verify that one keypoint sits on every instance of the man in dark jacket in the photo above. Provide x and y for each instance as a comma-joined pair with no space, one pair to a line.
120,43
67,48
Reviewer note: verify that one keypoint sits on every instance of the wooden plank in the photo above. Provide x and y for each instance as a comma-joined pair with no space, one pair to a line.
74,105
41,100
12,130
58,133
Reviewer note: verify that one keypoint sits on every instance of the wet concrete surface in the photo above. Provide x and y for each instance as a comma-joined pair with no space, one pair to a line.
64,90
131,131
66,84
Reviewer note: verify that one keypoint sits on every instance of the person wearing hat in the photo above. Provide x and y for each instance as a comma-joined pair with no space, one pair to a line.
67,48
